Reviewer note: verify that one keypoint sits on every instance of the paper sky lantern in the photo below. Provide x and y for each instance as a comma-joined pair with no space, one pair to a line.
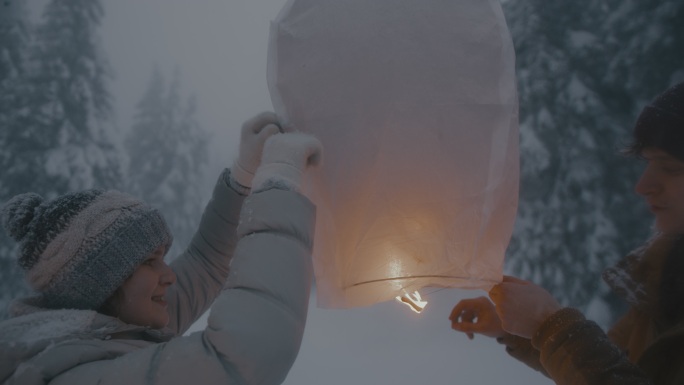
415,103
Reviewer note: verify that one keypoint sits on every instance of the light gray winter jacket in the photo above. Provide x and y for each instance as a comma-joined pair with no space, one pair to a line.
254,328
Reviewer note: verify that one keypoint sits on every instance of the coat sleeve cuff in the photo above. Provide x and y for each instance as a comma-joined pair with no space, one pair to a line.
558,321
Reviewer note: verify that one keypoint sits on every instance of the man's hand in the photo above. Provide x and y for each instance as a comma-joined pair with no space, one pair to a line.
476,315
522,306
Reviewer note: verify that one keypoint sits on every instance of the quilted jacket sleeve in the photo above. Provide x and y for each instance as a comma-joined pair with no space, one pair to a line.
203,268
522,350
576,351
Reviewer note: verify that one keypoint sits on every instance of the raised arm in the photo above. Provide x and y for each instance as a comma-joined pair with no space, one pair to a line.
203,267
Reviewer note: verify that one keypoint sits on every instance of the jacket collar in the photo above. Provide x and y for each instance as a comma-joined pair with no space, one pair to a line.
636,278
32,322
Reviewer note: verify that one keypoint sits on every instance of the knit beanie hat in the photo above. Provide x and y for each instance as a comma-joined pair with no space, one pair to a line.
79,248
661,124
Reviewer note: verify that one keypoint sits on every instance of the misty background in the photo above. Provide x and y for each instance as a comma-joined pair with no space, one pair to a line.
148,97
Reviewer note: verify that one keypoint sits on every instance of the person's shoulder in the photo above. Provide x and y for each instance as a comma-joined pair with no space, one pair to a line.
46,325
26,337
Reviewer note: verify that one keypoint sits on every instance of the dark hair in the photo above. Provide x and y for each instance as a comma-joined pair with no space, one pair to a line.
661,124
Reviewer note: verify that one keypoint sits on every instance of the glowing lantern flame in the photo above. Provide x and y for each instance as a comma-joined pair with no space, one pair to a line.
413,301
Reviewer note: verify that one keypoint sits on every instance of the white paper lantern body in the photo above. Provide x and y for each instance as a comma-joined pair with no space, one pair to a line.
416,105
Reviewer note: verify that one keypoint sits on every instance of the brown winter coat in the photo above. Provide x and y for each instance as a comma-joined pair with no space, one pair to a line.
572,350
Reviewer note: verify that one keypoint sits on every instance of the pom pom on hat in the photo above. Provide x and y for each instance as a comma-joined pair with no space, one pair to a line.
17,214
80,247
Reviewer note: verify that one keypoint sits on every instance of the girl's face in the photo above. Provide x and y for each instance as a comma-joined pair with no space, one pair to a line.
662,185
143,293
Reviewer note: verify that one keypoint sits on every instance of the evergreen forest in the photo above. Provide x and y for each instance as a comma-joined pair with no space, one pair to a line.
585,70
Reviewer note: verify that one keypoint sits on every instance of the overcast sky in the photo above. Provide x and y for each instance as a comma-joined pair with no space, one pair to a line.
220,48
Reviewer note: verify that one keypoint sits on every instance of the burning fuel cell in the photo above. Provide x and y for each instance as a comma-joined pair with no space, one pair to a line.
413,301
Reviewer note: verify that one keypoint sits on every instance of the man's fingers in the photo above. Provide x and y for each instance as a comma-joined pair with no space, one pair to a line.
495,293
460,308
511,279
464,327
456,311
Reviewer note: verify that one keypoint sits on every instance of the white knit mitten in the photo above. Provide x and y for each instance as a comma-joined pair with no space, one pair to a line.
286,157
253,135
